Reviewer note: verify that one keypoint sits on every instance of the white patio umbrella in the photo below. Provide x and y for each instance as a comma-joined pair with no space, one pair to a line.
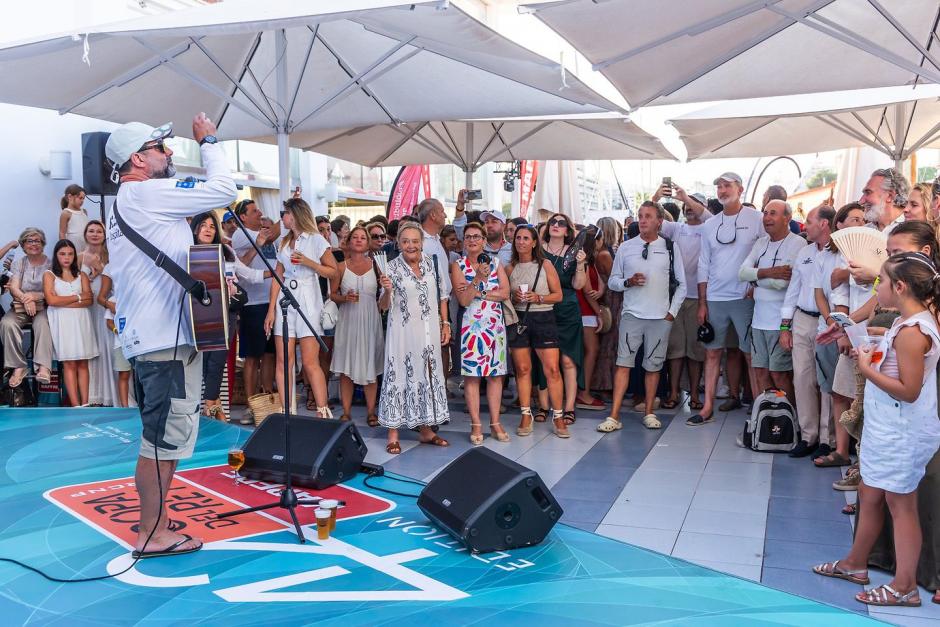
471,143
281,67
894,121
677,51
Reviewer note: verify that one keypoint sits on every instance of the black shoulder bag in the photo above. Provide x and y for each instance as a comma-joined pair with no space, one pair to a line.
521,326
673,281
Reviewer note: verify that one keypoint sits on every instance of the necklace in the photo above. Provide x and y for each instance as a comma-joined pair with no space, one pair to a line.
558,253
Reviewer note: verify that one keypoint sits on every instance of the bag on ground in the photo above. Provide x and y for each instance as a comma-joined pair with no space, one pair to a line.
772,427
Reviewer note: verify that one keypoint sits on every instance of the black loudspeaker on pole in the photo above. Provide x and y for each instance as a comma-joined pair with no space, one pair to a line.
96,172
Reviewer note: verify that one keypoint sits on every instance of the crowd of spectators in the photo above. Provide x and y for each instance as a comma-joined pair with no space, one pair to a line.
696,300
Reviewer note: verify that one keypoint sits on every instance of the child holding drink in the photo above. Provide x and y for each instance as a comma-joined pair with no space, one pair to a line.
901,431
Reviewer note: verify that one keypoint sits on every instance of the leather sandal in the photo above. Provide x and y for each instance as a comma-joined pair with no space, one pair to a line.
345,418
43,375
541,414
372,420
525,429
476,439
887,596
393,448
559,427
832,569
497,431
16,379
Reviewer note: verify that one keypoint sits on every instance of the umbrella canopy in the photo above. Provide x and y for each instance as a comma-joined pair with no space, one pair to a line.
471,143
675,51
889,120
278,67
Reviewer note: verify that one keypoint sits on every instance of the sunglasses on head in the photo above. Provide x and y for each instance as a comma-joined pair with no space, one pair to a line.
157,145
558,222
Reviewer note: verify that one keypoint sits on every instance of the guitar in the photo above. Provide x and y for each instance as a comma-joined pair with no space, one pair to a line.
209,323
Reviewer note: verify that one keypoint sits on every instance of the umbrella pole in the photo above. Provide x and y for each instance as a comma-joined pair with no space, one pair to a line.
283,137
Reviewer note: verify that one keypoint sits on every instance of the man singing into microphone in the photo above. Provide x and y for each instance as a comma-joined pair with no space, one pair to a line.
151,317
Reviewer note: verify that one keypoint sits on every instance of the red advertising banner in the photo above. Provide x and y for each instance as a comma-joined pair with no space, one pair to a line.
405,191
528,174
196,497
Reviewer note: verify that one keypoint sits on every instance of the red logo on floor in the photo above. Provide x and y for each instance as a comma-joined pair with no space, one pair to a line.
196,497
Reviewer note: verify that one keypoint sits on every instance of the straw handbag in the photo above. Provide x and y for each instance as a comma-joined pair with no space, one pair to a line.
263,405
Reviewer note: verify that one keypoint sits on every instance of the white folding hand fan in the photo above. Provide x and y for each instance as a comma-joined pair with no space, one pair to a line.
863,246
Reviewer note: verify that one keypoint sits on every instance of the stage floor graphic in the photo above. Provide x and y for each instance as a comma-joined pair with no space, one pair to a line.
68,506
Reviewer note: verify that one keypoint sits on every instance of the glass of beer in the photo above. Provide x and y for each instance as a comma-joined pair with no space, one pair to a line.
330,505
323,523
236,459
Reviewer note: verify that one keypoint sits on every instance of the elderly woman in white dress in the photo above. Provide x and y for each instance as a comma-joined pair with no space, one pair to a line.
413,390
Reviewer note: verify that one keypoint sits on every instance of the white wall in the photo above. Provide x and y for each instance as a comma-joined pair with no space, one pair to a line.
29,197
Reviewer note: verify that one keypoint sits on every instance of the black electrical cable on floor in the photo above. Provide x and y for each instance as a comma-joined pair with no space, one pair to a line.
156,461
387,491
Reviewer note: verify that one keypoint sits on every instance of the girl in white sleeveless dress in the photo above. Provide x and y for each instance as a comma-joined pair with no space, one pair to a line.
73,219
74,341
901,432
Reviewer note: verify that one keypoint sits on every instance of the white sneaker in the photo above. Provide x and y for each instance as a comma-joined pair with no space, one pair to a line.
723,391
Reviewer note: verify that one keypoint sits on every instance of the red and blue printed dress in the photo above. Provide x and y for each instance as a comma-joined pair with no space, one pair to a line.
482,330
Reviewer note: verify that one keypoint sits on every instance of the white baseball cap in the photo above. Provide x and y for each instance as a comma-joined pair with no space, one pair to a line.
496,213
128,138
730,177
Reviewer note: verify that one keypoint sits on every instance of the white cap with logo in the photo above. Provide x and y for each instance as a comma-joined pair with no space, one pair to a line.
496,214
129,138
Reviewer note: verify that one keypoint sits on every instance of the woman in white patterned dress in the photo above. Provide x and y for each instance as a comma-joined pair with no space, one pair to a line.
413,390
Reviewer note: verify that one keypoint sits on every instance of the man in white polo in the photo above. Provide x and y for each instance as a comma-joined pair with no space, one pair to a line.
799,323
649,271
769,268
727,240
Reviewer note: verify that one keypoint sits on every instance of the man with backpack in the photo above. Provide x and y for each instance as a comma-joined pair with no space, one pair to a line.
649,272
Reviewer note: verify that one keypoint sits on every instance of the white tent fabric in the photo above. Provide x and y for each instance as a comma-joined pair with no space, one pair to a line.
676,51
889,120
557,191
471,143
279,67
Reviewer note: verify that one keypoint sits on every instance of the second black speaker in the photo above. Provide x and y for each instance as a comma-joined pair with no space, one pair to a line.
490,503
323,452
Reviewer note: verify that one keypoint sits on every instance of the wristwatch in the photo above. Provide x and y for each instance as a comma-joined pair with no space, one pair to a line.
208,139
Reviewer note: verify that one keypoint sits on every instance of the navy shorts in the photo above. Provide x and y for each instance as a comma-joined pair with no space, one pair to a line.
252,341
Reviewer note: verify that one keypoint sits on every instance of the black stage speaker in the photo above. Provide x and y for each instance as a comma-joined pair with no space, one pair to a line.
96,173
323,452
489,502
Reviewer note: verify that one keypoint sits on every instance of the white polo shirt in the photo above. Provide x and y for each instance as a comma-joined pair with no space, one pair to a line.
149,303
802,289
719,262
650,301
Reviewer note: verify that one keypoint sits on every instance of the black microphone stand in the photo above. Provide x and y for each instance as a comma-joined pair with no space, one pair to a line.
288,499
